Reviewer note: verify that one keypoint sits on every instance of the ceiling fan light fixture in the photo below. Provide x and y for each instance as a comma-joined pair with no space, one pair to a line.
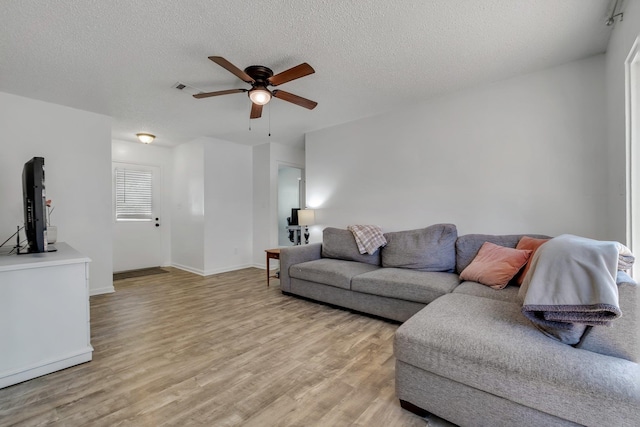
145,138
260,78
260,96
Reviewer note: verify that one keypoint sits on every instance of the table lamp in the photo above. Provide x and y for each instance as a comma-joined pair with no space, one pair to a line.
306,217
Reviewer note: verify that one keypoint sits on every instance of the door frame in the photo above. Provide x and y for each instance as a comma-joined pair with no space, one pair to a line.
632,148
302,193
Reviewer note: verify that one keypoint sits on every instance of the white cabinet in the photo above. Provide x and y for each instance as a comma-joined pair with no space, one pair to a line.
44,313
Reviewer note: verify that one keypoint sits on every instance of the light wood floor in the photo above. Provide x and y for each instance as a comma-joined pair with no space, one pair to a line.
224,350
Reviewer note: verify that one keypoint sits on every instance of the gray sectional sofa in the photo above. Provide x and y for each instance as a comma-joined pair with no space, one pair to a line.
465,352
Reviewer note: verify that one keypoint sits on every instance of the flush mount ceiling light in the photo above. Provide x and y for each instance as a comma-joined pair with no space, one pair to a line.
259,95
145,138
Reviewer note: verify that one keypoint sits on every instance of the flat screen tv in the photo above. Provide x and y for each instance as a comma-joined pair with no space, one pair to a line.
35,205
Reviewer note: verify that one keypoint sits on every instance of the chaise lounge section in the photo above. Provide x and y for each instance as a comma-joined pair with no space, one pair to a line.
465,351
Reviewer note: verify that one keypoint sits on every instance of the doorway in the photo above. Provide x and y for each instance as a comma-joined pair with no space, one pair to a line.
137,240
290,196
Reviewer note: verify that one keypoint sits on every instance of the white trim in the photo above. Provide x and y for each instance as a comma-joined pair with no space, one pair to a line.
101,291
38,369
188,269
264,266
211,272
632,144
226,269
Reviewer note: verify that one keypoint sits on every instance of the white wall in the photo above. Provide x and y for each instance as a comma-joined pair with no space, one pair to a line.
152,155
187,212
76,146
262,215
212,205
522,155
624,34
228,206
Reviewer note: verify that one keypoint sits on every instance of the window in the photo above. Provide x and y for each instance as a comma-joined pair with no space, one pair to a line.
133,195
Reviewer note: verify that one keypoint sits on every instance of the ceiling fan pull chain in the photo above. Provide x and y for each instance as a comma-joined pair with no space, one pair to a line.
269,121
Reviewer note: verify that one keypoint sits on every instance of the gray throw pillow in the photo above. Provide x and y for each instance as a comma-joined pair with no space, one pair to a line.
340,244
427,249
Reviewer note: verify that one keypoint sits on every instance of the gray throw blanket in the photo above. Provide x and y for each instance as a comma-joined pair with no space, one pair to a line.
572,284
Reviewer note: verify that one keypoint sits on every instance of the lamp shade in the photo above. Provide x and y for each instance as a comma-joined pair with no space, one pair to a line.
306,217
259,96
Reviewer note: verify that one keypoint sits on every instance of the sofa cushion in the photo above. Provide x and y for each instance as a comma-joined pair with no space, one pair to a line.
332,272
426,249
489,345
509,293
340,244
495,265
467,246
408,285
531,244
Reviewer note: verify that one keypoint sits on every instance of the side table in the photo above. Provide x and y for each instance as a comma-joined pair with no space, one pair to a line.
271,254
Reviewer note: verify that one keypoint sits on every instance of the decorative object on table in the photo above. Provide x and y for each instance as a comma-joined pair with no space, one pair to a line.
52,230
306,217
292,227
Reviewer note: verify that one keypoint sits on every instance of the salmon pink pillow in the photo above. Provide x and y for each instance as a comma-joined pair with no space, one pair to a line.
495,265
532,244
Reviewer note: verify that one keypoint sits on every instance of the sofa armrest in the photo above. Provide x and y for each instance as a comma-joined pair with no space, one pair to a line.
295,255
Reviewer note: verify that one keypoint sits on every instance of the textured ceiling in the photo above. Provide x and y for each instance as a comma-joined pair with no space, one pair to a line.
121,58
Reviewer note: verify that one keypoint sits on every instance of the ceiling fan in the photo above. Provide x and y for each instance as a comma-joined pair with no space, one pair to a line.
260,77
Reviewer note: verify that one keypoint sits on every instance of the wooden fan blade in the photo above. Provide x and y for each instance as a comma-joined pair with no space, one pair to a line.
256,111
220,92
296,72
295,99
232,68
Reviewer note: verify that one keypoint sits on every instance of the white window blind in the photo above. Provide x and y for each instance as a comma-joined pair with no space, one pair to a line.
134,200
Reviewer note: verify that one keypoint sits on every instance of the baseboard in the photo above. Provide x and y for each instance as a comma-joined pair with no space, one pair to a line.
189,269
227,269
211,272
264,267
100,291
45,367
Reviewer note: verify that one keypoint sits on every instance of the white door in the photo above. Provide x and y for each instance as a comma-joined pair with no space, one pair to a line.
137,240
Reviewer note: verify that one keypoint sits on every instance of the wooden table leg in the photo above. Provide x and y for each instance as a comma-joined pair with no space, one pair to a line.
271,254
268,270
